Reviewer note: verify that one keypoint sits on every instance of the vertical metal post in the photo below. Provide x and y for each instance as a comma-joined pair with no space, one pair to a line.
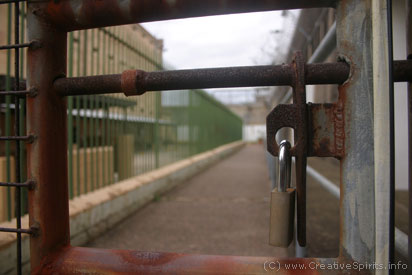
110,113
78,109
156,131
409,54
91,109
85,107
190,122
391,168
17,131
8,113
355,111
70,121
104,110
382,131
22,112
47,158
98,120
17,194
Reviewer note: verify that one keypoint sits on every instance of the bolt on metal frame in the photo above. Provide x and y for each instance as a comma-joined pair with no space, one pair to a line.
49,22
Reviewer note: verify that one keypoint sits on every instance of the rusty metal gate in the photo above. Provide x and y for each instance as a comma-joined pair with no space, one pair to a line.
357,129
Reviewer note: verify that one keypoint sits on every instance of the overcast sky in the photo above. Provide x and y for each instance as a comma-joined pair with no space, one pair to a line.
221,41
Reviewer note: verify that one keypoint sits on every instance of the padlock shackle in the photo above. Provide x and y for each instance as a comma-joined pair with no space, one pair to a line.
285,166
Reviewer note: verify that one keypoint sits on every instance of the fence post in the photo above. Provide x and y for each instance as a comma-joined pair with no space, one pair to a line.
409,55
47,155
157,130
355,113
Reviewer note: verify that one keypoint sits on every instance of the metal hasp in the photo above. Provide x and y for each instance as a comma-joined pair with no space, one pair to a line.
294,116
322,122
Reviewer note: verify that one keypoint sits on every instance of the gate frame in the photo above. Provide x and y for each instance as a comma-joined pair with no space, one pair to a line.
49,22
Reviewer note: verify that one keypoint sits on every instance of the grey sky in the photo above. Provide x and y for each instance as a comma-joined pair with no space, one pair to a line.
220,41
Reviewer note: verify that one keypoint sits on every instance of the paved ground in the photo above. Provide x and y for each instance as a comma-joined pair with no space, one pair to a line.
225,210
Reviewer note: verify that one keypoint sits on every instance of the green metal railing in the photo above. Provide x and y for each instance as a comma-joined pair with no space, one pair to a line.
113,137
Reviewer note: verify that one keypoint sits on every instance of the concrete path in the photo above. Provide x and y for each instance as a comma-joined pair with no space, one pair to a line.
224,210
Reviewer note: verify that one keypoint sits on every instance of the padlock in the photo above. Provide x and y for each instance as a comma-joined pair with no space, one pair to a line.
282,202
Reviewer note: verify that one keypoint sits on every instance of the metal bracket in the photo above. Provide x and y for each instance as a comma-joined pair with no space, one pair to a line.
318,130
325,128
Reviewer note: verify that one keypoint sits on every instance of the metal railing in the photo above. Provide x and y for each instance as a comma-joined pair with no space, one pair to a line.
344,129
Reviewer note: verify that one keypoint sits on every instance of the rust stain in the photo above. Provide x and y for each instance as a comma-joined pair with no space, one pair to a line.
339,110
60,11
339,129
321,127
132,82
324,146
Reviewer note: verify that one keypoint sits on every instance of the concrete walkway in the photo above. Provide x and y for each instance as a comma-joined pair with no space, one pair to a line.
224,210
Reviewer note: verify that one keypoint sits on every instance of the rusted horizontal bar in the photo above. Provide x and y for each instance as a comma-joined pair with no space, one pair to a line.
20,93
15,46
135,82
29,184
16,230
99,84
28,138
76,15
31,92
104,261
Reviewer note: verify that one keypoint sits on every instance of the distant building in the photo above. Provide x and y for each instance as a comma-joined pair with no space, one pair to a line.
254,118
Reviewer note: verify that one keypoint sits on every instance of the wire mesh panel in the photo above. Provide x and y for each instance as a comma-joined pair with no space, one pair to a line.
14,183
114,137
